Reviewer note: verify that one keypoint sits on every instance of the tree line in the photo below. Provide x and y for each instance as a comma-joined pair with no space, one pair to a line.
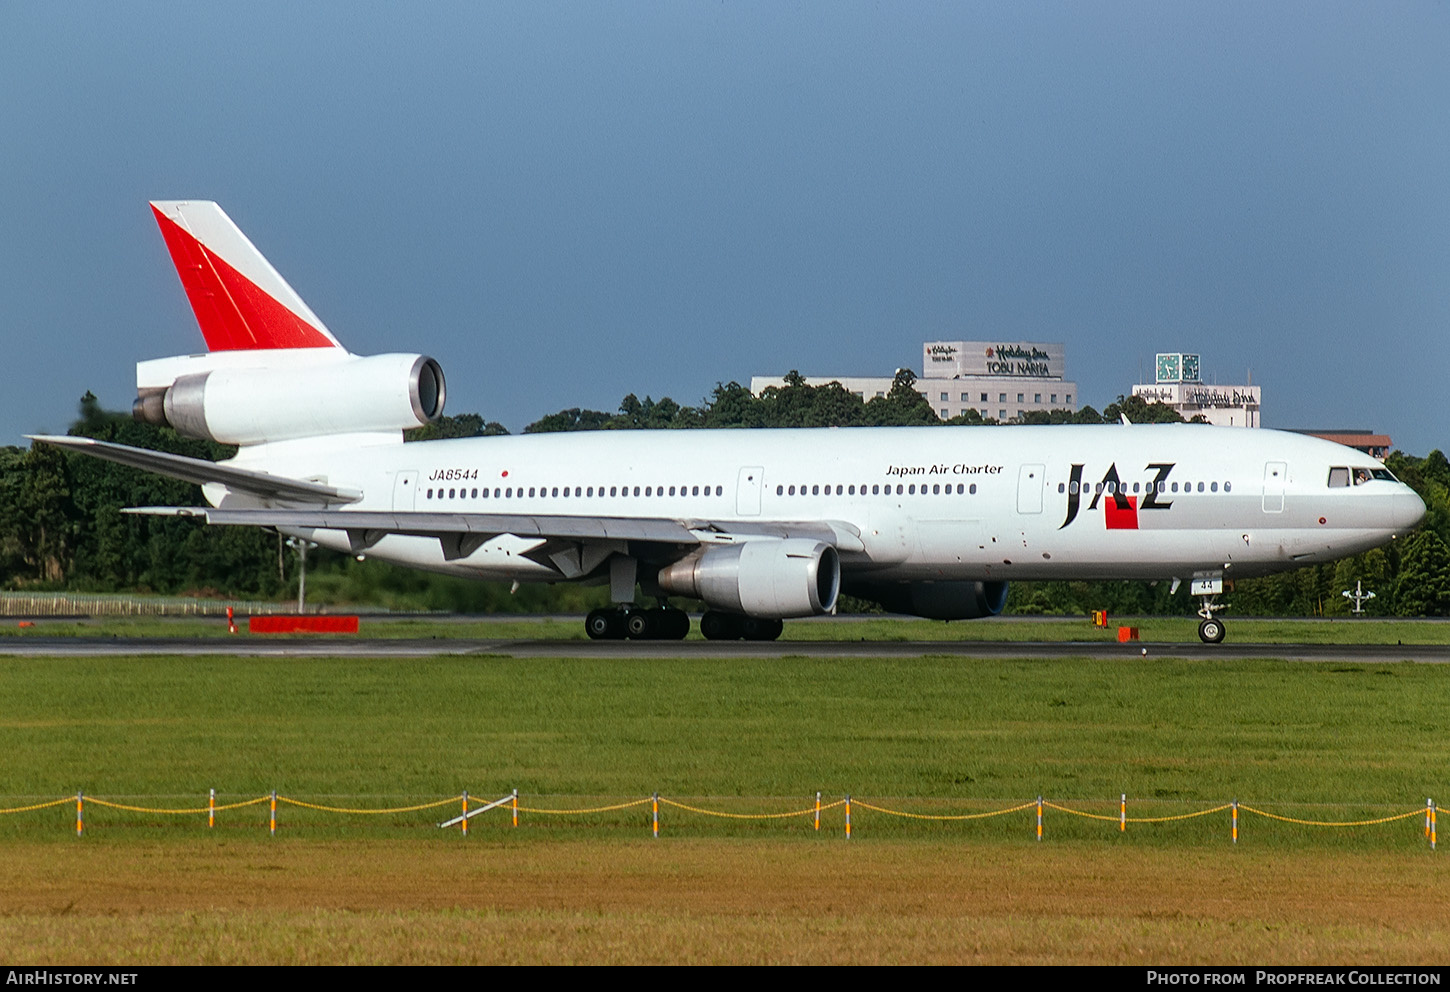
61,525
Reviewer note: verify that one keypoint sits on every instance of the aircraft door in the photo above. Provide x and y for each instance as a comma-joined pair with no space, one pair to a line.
747,491
1274,474
1030,480
405,490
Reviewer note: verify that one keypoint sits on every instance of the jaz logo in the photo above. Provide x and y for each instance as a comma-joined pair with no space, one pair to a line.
1120,510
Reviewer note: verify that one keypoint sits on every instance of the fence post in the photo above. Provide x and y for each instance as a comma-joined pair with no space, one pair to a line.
516,807
818,811
1236,821
1039,818
80,822
272,825
656,807
211,810
465,813
1123,814
848,816
1432,826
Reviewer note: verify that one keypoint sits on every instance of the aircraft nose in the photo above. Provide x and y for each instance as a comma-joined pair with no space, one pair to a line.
1408,510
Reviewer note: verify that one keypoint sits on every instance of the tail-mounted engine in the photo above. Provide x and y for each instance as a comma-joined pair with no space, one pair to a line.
285,393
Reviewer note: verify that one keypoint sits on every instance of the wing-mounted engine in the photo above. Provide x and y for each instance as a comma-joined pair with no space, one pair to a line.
765,578
252,397
936,600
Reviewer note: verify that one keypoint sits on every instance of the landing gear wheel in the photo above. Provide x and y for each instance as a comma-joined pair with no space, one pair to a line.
604,625
721,626
1211,631
641,625
755,629
673,624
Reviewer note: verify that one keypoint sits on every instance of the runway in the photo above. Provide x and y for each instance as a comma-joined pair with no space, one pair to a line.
244,646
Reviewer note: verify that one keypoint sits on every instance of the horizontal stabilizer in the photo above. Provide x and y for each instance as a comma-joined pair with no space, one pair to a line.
202,472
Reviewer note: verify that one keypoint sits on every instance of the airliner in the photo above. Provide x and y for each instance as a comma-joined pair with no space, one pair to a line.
759,525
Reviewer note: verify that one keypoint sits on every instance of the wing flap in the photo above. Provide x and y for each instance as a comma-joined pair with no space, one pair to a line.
370,525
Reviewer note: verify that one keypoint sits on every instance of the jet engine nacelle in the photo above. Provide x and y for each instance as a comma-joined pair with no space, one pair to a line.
936,600
762,578
252,404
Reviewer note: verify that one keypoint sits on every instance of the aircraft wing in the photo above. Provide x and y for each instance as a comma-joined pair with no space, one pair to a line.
201,471
460,534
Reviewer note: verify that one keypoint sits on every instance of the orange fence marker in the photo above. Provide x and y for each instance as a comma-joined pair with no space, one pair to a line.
1236,821
516,807
80,823
818,811
848,817
1123,814
1039,817
211,807
464,824
272,825
656,814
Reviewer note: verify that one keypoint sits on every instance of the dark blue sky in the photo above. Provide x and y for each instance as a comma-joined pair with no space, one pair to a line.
565,203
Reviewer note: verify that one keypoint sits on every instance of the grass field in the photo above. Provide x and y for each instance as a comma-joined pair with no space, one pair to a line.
1312,741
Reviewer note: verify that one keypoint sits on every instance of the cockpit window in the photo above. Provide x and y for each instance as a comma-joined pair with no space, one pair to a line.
1383,474
1338,478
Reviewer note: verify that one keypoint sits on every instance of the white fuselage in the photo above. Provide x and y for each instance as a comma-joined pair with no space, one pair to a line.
929,503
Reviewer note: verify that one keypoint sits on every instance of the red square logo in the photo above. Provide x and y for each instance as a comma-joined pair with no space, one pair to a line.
1121,519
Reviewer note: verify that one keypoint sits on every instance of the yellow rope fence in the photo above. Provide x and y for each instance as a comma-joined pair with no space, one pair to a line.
510,803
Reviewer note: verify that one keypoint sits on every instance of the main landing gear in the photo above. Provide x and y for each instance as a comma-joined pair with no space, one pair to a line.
1211,628
665,623
735,627
661,623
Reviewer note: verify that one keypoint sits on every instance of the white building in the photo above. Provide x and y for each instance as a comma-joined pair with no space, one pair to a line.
1179,384
1000,380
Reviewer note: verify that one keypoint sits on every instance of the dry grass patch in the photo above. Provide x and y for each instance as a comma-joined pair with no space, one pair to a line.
687,900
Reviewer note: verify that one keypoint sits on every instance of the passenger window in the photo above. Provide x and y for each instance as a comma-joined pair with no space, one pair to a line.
973,489
719,490
1200,487
1213,487
900,489
780,490
1227,486
1338,477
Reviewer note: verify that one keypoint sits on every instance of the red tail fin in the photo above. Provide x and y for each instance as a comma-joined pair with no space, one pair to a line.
240,301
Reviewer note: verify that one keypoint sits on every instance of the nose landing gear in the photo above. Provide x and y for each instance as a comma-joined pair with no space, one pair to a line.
1210,629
